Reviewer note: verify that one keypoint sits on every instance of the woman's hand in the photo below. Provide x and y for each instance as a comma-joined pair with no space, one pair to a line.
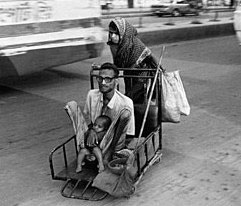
92,138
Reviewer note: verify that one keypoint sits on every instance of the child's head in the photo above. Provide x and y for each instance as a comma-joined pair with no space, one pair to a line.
102,123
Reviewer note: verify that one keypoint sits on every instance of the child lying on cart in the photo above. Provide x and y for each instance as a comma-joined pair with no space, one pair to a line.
100,127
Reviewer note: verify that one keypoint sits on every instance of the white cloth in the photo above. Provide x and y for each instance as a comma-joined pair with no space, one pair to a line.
78,121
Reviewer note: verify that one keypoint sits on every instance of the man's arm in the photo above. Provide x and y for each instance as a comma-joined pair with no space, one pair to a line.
92,138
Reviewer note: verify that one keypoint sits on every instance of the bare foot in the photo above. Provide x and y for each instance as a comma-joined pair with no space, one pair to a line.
101,168
78,169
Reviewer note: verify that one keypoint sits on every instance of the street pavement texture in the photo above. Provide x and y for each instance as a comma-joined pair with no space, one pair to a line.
201,160
155,33
201,155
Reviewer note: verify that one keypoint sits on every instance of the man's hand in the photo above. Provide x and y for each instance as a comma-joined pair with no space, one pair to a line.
92,138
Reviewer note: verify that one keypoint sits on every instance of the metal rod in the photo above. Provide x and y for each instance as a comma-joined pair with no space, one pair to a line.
76,146
86,187
128,69
72,191
65,157
51,166
51,156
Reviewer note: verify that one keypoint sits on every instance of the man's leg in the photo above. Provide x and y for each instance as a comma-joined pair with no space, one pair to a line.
98,154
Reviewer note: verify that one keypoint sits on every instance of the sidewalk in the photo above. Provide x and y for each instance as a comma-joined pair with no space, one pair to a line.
146,11
159,33
156,33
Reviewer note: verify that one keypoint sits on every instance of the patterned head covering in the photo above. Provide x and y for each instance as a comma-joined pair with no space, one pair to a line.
130,46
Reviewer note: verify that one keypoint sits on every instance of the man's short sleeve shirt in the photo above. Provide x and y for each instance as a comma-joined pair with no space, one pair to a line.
94,104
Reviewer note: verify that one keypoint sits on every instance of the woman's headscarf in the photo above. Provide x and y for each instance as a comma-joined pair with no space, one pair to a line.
130,46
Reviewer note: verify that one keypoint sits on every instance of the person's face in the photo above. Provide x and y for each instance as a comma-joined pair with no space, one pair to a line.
114,37
106,80
99,125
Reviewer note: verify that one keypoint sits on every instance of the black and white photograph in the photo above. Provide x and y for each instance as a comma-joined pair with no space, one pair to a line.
120,102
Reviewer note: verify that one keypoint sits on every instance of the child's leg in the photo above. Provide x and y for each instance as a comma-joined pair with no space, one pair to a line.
98,154
82,153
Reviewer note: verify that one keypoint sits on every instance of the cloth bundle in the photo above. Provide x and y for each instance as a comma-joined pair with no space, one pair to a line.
174,99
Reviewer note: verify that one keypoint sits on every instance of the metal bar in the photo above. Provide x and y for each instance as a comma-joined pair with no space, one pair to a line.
91,79
160,110
93,194
61,145
86,187
129,69
76,147
129,76
63,188
138,163
65,157
51,163
146,139
154,159
153,142
72,191
146,154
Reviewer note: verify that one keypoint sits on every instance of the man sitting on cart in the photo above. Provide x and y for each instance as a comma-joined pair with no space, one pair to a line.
108,101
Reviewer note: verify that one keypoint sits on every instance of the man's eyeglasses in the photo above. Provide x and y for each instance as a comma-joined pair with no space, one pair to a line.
107,79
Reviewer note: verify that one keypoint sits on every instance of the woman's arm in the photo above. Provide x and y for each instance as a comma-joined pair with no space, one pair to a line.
150,61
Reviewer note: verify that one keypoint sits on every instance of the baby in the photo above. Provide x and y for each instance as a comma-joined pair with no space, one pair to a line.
101,125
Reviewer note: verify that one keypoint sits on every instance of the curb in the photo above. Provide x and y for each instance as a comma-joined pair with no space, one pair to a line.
185,33
148,12
136,14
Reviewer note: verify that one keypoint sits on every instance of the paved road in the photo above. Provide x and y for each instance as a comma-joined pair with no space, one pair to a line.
201,156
